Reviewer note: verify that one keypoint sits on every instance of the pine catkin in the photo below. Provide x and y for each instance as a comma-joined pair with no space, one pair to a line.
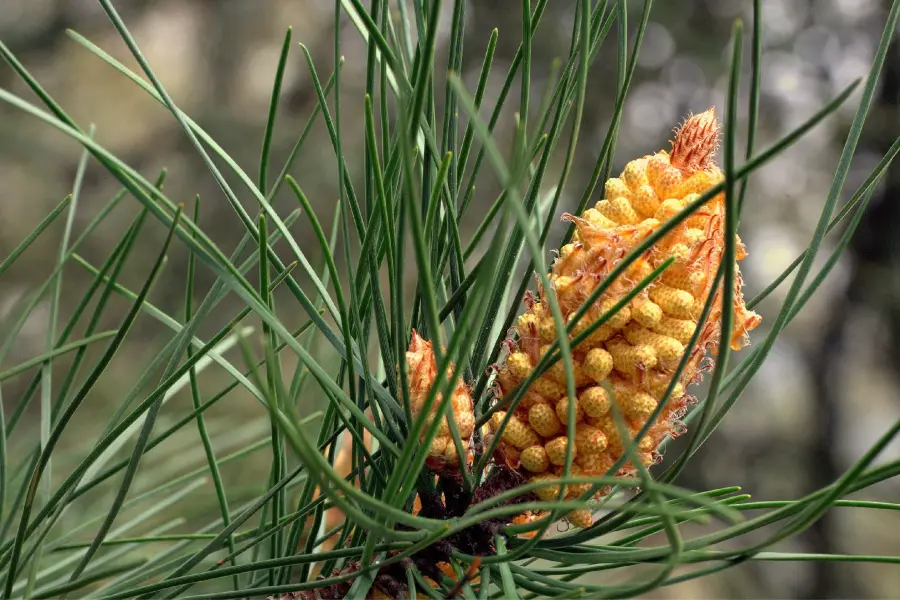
422,372
630,360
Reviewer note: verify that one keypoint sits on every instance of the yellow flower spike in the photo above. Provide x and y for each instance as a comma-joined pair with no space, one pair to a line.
557,372
460,399
574,490
696,184
496,420
526,325
543,419
658,385
619,319
566,285
547,329
647,313
657,166
595,464
581,518
519,365
616,188
673,301
519,434
556,450
598,364
573,259
668,183
632,360
548,388
564,253
597,219
438,445
549,490
599,335
680,329
604,207
633,402
693,236
562,411
622,211
680,252
635,173
613,439
695,222
639,270
668,208
530,398
684,279
666,348
535,459
595,401
450,455
589,440
443,428
466,424
646,201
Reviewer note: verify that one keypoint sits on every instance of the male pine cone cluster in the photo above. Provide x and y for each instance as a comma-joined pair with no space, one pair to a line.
635,353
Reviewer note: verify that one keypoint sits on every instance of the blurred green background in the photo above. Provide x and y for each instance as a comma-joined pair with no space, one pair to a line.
829,388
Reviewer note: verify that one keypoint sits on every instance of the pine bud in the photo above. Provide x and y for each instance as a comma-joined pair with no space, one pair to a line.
422,372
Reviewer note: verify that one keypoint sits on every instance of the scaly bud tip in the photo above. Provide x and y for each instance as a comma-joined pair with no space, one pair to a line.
696,142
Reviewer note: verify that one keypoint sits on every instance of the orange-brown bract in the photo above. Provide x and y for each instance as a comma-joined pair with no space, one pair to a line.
630,360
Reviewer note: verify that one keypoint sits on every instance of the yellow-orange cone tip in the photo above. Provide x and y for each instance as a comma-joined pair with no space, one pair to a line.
696,142
627,363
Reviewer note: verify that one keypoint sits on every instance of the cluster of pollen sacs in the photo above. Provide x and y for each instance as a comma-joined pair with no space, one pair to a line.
629,361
